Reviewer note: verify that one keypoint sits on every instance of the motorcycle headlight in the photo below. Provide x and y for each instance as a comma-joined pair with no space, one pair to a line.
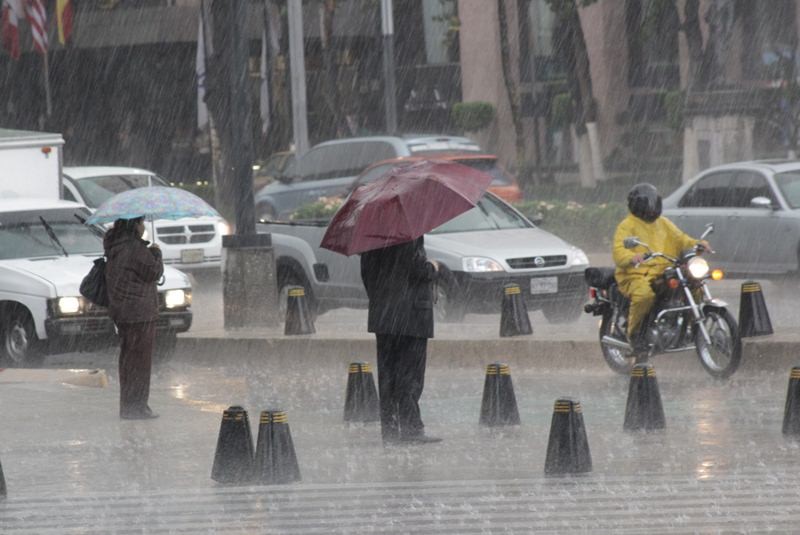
580,258
69,305
698,267
480,264
177,298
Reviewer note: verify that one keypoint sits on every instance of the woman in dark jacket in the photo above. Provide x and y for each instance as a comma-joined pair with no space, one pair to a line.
132,272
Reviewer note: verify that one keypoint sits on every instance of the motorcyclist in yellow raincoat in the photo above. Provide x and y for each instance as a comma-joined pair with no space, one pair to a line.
634,277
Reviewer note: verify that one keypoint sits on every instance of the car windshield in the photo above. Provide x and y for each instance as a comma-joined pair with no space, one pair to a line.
789,184
490,167
98,189
23,235
489,214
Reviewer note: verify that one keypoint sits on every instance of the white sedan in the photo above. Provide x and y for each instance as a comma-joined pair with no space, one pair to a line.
189,244
755,209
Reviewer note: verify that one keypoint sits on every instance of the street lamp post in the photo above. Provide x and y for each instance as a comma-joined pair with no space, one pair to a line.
297,69
387,27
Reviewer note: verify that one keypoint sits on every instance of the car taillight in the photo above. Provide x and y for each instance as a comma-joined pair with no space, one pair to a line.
593,293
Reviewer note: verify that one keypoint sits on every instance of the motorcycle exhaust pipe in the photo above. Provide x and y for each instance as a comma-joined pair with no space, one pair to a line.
614,342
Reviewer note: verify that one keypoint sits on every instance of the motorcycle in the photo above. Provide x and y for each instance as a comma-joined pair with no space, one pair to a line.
685,316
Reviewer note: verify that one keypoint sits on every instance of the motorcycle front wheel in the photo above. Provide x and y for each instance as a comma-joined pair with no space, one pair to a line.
618,359
722,357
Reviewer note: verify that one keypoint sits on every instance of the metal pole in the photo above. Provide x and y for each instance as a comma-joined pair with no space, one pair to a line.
387,27
47,97
297,68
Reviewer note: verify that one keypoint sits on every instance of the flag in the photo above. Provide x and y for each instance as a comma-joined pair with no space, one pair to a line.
200,71
37,17
64,19
12,13
263,102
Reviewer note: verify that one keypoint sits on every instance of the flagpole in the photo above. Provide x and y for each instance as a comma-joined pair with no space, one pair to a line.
48,100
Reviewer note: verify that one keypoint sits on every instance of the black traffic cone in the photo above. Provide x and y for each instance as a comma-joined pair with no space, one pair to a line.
644,410
276,461
499,406
233,460
791,416
514,319
753,314
298,318
361,402
568,448
3,491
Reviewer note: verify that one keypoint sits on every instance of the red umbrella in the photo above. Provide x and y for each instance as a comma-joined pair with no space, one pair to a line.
404,204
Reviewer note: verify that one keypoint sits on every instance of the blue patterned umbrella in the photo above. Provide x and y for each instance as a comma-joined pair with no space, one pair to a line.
154,202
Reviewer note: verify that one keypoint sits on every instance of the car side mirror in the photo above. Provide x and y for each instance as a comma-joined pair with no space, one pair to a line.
537,218
631,242
760,202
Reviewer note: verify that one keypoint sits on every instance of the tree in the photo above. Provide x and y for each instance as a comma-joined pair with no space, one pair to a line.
572,45
228,101
330,86
512,89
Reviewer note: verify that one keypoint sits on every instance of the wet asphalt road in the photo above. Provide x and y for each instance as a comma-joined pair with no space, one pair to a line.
721,465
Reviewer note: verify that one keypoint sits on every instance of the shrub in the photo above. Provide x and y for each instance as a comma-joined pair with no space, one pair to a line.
589,226
321,209
561,111
472,116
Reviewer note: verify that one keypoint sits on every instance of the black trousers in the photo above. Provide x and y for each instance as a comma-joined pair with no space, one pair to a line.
401,378
135,360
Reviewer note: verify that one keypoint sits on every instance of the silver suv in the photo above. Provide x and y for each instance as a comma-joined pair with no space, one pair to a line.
330,168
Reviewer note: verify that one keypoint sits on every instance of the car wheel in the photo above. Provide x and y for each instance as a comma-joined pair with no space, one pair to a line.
286,279
21,348
165,346
563,312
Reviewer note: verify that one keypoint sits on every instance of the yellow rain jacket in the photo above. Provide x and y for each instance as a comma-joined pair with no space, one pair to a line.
661,236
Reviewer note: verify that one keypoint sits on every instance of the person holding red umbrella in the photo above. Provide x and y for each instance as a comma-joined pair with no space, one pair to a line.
385,221
399,283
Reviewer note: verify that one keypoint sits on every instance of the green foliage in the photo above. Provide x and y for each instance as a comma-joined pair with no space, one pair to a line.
562,112
673,106
472,116
321,209
588,226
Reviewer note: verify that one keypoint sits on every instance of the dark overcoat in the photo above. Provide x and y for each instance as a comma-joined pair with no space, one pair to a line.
399,283
132,271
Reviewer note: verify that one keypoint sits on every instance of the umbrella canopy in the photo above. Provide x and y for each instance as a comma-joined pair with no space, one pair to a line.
403,205
156,202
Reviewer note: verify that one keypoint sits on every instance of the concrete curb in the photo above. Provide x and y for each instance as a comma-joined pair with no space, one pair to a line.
522,353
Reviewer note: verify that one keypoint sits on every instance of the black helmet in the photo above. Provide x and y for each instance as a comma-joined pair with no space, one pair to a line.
644,202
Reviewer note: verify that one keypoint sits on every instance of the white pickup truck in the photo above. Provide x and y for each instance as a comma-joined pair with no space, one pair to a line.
45,251
483,249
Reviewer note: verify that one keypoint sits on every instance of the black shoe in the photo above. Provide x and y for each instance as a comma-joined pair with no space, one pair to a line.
144,414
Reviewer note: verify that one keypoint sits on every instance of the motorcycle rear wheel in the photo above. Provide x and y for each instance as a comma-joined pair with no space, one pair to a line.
723,357
617,359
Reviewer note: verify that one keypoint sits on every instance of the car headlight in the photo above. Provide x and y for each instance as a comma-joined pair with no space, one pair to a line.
69,305
223,228
580,258
480,264
698,267
177,298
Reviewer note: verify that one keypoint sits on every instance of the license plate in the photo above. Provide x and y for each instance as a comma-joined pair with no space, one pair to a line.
544,285
191,256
